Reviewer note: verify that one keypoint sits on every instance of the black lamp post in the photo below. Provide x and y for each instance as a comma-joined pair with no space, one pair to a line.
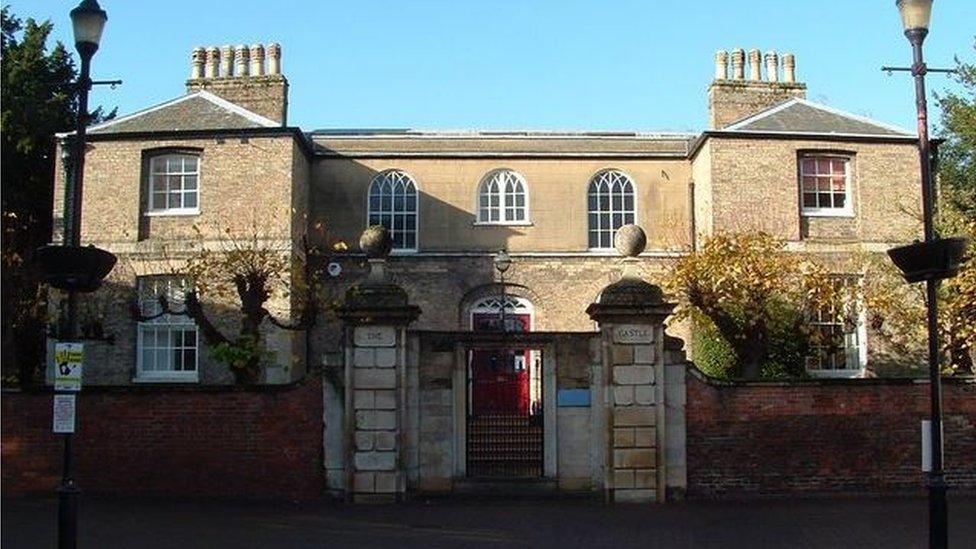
502,262
71,267
931,260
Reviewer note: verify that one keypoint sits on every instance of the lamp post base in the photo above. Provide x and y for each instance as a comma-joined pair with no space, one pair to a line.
68,494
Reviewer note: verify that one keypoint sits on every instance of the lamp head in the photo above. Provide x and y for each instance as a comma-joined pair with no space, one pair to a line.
88,20
915,15
502,261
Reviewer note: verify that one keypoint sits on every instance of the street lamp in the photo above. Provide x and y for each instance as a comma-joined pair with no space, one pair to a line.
502,262
931,260
71,267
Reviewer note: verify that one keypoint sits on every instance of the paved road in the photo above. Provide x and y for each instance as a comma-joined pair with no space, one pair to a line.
186,524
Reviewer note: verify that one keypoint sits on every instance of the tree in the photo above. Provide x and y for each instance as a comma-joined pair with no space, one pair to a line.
897,309
37,100
753,294
957,154
250,272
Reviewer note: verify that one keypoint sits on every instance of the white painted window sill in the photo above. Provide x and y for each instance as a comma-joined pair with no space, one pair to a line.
828,213
166,379
502,224
839,374
172,213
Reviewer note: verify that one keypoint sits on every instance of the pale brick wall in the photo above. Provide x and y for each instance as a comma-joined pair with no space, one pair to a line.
246,186
557,191
755,186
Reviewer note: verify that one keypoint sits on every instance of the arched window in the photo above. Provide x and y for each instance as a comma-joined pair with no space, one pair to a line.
393,204
610,202
502,198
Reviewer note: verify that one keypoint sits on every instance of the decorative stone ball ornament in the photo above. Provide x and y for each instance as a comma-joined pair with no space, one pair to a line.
630,240
376,242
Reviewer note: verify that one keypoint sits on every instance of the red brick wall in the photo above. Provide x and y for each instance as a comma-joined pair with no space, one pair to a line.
260,442
821,436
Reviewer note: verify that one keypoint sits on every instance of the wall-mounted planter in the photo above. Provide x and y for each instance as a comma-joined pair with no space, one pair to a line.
934,260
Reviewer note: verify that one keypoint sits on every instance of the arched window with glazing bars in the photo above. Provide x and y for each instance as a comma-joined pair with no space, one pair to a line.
393,204
610,205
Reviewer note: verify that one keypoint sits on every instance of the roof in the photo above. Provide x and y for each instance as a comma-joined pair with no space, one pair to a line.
197,111
799,116
418,143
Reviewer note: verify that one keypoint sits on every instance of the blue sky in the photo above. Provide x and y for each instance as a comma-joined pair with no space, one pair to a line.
500,64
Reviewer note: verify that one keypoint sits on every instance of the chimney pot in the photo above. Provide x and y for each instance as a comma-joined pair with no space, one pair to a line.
212,67
242,61
197,59
257,60
227,61
772,66
754,61
274,58
721,65
789,68
738,61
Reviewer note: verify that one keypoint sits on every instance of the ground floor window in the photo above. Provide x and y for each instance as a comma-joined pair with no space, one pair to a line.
167,343
838,334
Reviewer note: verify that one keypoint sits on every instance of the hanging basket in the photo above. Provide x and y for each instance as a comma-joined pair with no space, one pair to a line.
933,260
75,268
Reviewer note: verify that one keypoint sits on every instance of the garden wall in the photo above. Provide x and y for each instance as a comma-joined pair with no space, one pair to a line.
765,438
221,441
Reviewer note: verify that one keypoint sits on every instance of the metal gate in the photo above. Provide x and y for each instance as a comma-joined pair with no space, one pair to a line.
504,415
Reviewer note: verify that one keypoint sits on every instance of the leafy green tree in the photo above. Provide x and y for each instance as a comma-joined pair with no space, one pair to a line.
957,155
38,100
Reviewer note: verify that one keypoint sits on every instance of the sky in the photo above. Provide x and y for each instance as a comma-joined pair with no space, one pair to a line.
534,65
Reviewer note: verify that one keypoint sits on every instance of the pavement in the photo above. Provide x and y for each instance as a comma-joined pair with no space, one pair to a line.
185,524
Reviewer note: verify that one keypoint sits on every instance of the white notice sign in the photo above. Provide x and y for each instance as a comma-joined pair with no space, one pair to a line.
68,358
633,334
64,413
375,336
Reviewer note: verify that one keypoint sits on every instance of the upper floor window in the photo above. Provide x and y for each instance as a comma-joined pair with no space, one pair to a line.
610,202
174,184
502,198
167,345
825,185
837,349
393,204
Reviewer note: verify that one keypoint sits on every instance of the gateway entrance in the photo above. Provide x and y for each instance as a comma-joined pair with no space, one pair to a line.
504,403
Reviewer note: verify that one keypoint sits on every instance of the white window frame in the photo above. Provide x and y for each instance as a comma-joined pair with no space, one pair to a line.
501,178
492,304
153,209
848,209
394,178
168,322
857,354
595,180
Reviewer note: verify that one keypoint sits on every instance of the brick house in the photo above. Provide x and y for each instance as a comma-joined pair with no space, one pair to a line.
221,163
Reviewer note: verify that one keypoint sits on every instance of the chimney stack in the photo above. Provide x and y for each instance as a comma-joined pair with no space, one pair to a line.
731,100
237,74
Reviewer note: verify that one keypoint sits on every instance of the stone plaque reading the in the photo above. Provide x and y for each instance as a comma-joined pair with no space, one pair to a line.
375,336
633,334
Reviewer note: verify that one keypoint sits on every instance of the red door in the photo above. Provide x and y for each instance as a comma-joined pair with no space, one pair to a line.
500,377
